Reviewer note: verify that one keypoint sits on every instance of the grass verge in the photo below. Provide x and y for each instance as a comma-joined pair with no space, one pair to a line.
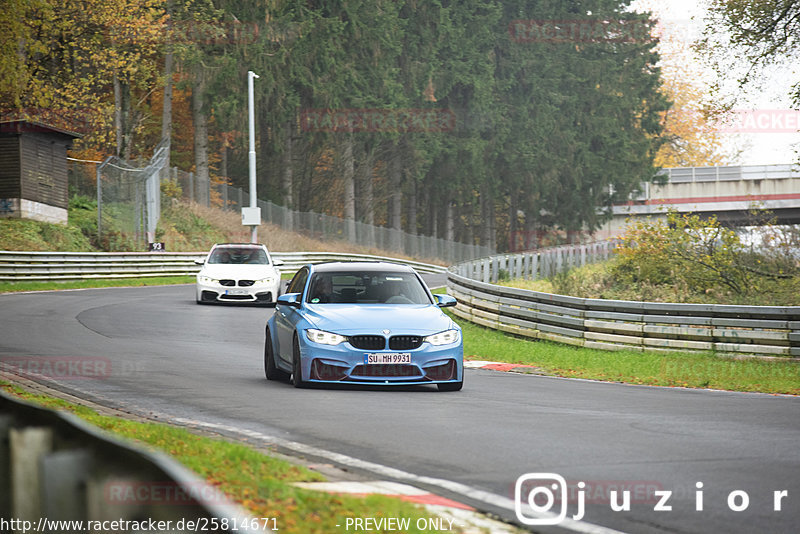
692,370
11,287
259,483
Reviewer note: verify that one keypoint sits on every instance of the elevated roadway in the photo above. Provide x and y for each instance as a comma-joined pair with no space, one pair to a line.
728,192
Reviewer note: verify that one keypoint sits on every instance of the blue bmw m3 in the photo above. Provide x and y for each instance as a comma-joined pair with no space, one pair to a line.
363,323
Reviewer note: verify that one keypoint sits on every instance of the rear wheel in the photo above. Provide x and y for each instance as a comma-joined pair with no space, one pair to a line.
270,369
297,374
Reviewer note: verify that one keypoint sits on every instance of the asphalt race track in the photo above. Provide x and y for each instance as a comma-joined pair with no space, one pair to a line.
153,350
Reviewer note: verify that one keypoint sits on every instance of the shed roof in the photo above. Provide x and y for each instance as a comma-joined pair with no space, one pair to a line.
26,126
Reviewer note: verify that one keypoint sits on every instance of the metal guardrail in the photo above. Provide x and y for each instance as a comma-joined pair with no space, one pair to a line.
543,263
55,467
614,324
43,266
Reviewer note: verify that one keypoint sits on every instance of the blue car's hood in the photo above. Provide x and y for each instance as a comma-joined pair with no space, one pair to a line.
373,318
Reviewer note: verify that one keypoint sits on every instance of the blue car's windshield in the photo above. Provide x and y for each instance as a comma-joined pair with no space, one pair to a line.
366,288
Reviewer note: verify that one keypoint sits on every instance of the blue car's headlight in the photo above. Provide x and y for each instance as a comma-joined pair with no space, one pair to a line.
324,338
443,338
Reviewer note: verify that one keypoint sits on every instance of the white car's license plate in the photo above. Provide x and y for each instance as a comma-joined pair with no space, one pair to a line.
388,357
236,292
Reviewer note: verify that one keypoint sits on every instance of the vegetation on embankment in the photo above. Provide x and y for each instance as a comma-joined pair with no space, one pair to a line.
263,485
688,259
183,227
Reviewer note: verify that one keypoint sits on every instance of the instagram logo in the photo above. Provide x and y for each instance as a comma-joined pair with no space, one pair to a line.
535,494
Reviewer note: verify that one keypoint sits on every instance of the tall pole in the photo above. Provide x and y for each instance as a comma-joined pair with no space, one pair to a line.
252,153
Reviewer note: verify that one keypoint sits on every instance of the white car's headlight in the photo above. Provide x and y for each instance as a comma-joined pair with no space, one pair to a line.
324,338
207,280
443,338
268,280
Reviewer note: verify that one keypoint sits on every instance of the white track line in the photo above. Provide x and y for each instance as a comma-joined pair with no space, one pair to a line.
391,472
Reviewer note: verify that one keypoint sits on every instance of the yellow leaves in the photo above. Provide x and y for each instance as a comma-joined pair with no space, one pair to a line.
692,140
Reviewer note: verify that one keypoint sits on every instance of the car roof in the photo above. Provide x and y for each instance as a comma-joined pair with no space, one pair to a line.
368,266
239,245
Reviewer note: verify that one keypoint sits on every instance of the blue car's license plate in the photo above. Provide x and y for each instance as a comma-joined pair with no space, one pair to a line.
388,357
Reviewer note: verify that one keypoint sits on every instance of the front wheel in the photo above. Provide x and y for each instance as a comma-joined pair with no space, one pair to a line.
270,369
451,386
297,374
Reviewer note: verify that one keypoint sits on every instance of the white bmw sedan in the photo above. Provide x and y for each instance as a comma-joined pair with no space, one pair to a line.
239,272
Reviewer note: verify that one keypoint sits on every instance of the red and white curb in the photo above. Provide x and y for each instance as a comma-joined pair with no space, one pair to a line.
454,515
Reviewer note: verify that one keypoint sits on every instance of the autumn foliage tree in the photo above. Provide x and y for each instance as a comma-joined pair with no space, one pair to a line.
545,136
685,249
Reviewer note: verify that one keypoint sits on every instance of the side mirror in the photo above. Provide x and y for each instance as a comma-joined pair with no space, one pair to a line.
278,263
289,299
200,262
444,301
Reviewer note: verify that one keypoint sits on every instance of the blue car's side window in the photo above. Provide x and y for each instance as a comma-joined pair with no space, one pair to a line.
298,282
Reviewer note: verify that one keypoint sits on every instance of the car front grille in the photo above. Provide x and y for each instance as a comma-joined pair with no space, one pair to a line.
227,283
246,283
446,371
368,342
324,371
385,370
405,342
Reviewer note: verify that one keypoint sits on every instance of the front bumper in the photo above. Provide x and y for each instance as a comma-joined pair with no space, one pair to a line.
345,364
259,293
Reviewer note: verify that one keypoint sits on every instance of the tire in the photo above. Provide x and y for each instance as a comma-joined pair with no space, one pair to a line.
270,369
451,386
297,379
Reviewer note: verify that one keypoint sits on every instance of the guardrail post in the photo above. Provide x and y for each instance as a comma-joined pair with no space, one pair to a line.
5,466
28,446
64,495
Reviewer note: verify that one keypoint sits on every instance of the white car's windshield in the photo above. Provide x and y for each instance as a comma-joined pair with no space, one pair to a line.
366,288
230,255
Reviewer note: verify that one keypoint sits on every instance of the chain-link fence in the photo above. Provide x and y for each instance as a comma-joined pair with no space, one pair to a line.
129,200
128,197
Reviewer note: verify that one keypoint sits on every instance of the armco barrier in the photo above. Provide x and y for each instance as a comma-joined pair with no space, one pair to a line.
616,325
55,467
542,263
22,266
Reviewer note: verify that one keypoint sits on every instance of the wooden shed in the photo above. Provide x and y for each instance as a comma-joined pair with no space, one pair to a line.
33,171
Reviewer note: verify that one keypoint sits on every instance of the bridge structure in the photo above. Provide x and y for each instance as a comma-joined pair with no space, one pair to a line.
729,192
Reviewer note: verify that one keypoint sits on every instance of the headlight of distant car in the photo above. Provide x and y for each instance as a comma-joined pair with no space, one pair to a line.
324,338
207,280
443,338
